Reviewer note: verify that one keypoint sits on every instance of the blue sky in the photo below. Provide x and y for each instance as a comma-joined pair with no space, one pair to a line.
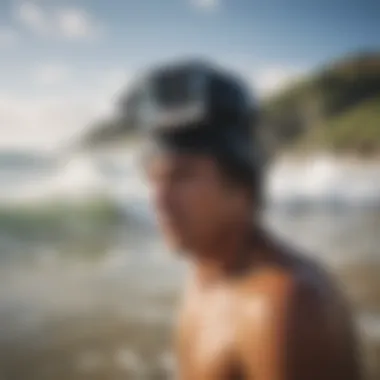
61,62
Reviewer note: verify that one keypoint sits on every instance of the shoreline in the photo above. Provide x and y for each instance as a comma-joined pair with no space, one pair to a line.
344,158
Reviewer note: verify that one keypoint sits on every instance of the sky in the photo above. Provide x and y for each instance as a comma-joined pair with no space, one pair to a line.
63,62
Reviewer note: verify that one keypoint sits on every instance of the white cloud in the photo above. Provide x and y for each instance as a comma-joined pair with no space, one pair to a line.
206,5
33,17
47,120
56,21
51,73
114,82
8,37
269,80
75,23
44,122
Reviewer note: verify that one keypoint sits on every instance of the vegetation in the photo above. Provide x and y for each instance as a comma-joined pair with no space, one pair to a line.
335,109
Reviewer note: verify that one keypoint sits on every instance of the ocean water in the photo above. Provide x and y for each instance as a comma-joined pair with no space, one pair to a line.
89,291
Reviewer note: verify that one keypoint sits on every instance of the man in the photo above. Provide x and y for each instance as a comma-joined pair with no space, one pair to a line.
252,308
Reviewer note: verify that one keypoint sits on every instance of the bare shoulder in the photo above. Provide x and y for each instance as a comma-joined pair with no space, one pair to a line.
291,276
291,286
292,314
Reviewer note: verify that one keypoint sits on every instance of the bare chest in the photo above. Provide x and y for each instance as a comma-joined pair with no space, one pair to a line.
207,339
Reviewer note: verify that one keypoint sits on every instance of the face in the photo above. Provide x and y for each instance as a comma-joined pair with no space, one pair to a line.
192,202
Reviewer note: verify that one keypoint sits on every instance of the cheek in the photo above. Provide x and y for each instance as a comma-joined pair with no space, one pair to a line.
199,202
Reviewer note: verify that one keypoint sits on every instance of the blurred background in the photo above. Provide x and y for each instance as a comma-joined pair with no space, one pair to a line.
87,288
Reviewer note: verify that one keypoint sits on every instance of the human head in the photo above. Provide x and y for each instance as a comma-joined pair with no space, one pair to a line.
204,171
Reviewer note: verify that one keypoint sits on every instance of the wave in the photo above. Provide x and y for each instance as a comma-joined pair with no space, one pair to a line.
315,180
324,179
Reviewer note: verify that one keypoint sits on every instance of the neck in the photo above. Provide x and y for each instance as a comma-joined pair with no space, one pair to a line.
230,256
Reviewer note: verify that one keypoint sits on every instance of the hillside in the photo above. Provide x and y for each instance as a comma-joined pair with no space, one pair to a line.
335,109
